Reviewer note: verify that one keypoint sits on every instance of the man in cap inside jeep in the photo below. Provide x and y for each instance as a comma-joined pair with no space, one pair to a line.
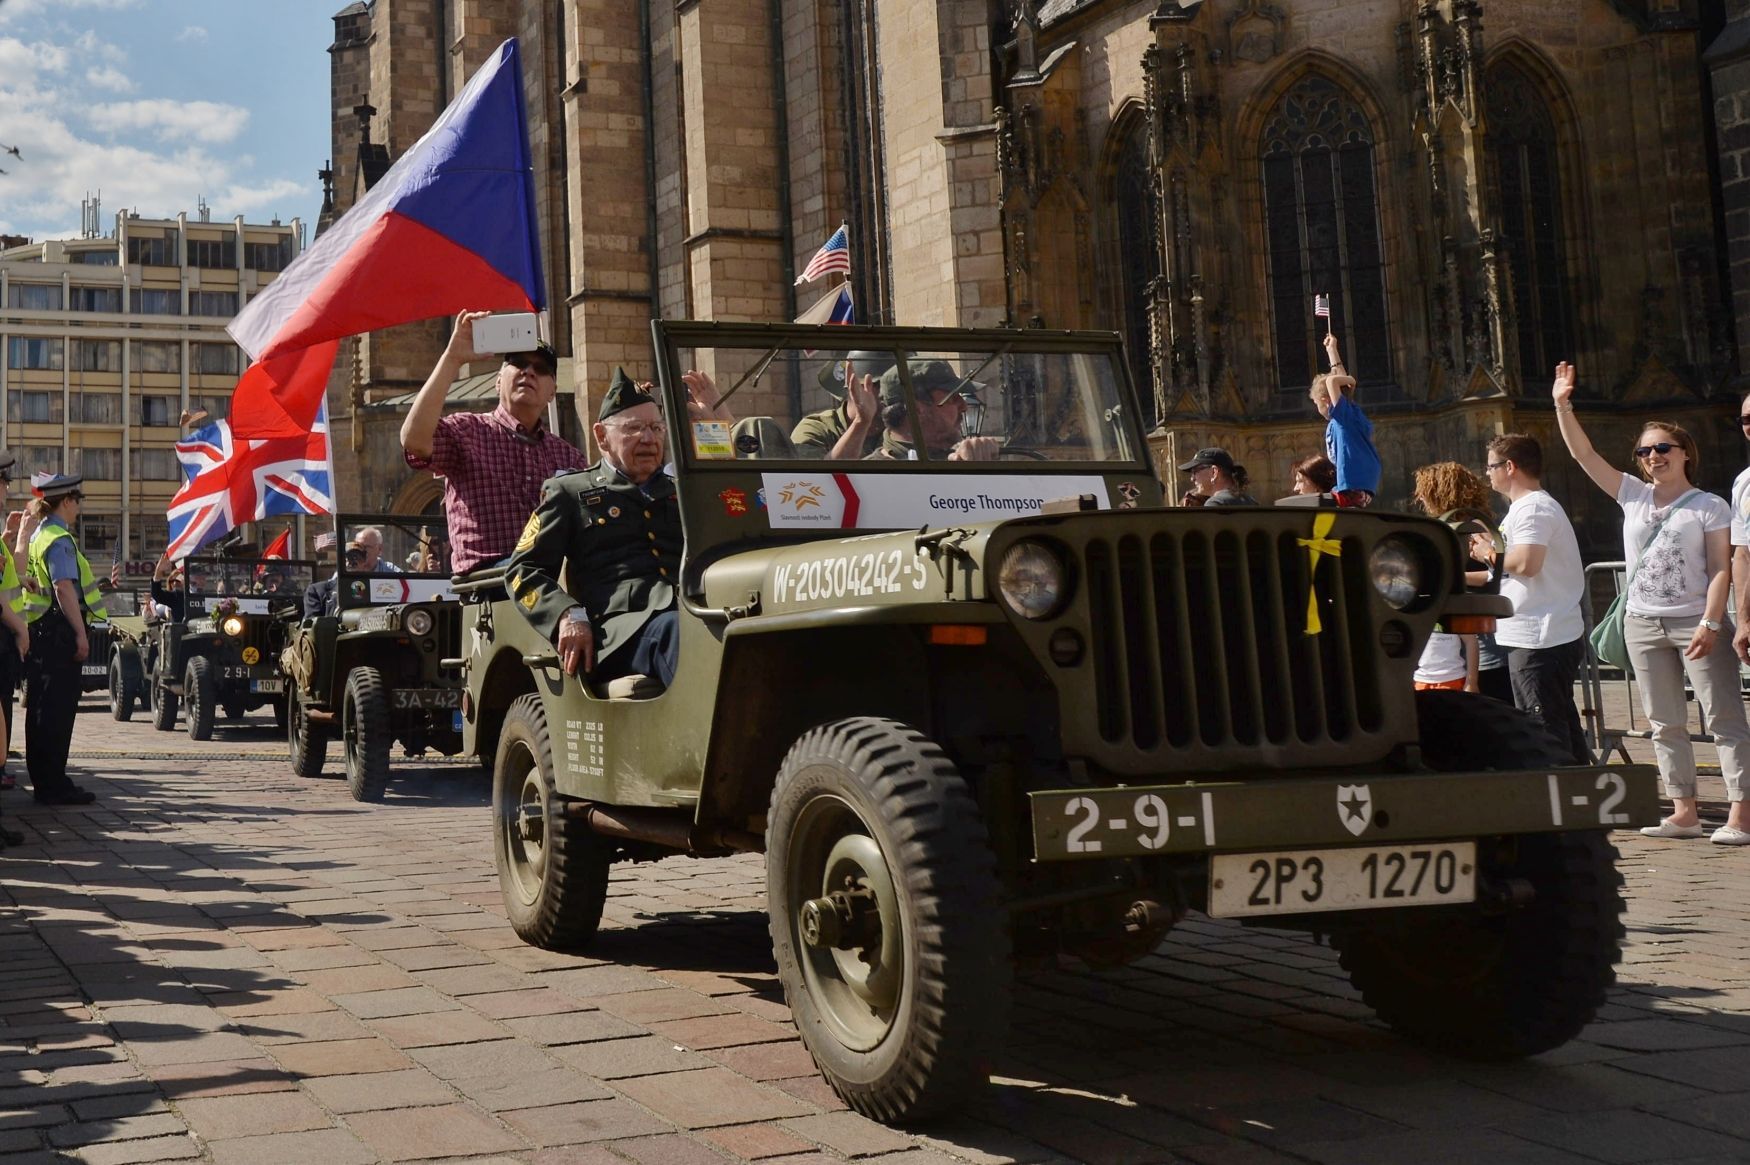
943,400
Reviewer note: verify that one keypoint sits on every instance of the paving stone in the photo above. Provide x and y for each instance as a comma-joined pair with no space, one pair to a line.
573,1028
220,1078
118,1128
358,979
444,1027
219,1117
849,1133
411,1088
709,1096
304,1028
1624,1137
668,1149
443,1131
339,1057
668,1004
180,1147
327,1146
721,1031
590,1120
776,1061
757,1142
641,1056
529,1001
403,1001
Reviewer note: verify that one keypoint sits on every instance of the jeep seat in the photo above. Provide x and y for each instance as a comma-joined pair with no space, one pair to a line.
628,688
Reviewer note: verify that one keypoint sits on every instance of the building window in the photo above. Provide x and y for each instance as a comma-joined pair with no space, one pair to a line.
154,252
157,465
212,303
274,256
96,299
214,254
97,464
1139,258
38,458
1522,149
34,296
99,533
103,258
32,352
217,407
97,355
216,359
33,408
1321,221
97,408
155,301
149,535
157,356
159,411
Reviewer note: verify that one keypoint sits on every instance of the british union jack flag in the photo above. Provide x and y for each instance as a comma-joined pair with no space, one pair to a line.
228,482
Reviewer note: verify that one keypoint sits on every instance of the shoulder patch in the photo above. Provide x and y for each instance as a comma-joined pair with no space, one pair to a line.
531,531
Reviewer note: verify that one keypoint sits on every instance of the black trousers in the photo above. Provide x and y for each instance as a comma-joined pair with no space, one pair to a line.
52,682
11,675
656,651
1543,685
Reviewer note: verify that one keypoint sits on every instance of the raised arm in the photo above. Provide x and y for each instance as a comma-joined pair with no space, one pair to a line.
1574,435
428,406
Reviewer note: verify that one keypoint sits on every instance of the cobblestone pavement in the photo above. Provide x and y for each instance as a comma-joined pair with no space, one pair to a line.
222,962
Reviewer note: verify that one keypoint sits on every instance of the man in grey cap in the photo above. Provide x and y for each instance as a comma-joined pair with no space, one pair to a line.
61,591
1216,478
943,400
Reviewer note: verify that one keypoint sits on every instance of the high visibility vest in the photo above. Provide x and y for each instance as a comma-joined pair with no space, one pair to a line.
38,600
11,589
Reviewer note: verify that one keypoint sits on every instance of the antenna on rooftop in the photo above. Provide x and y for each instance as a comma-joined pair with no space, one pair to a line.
90,211
202,209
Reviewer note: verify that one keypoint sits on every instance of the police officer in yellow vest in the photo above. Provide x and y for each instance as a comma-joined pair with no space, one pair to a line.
60,591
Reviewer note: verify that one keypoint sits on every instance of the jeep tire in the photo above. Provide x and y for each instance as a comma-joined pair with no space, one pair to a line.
1510,981
164,704
365,730
123,688
901,989
197,690
552,869
306,740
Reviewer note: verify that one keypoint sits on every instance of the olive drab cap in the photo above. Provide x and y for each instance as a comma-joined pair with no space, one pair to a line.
49,486
927,376
832,374
622,394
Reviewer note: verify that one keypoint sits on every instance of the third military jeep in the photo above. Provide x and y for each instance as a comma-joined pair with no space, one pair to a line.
971,709
382,664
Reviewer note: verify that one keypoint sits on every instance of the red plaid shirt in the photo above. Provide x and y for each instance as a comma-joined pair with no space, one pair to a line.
492,470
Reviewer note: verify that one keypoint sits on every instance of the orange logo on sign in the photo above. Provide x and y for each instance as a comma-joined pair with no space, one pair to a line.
801,495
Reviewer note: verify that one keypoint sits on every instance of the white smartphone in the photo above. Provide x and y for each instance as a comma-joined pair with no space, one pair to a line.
512,332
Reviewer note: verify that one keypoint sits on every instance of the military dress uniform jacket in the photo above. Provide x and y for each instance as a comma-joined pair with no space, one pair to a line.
621,553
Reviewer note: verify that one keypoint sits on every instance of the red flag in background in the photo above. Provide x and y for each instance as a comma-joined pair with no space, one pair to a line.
280,547
279,396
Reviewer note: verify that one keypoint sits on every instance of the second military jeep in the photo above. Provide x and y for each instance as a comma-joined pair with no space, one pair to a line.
977,708
224,653
122,661
381,665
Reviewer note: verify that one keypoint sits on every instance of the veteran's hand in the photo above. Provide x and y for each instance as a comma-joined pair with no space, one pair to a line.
576,645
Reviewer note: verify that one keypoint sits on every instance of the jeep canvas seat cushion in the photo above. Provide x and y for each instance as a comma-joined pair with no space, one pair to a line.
628,688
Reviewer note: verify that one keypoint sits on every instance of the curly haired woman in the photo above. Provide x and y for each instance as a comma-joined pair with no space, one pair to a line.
1450,661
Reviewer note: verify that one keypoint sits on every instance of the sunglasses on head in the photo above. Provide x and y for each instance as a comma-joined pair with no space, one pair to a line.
1661,448
522,360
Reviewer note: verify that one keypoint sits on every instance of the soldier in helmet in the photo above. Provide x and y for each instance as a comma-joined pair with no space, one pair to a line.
851,429
62,591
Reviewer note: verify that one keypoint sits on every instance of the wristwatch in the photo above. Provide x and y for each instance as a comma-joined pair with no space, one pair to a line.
1711,624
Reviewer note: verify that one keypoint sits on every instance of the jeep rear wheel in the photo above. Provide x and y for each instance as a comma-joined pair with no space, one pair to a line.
122,689
164,702
365,730
886,917
552,870
1510,980
197,689
306,740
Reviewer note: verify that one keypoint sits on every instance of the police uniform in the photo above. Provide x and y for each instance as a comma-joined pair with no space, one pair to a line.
620,545
52,672
11,594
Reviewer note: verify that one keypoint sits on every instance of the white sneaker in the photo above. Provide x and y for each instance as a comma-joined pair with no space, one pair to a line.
1666,829
1726,835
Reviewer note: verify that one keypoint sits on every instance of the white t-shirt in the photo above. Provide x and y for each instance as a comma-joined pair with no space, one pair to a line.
1442,660
1546,607
1741,510
1671,582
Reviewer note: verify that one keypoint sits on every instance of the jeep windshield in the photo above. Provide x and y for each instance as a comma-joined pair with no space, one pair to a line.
390,558
250,586
1011,401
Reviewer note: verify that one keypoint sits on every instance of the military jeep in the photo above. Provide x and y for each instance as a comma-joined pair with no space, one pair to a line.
977,709
121,660
382,665
224,653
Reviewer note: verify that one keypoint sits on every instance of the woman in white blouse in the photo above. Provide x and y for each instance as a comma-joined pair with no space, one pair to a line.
1678,545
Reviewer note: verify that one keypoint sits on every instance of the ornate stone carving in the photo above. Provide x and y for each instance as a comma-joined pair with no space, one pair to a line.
1254,33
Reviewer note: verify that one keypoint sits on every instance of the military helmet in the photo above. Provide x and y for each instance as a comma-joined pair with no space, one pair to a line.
832,374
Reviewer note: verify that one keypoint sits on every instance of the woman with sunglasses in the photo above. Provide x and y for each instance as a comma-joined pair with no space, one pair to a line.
1678,546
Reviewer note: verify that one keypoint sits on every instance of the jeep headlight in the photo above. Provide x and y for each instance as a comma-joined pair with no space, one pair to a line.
232,626
418,622
1033,580
1396,571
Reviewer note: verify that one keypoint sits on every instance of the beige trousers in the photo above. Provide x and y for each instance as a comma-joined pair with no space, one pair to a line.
1655,648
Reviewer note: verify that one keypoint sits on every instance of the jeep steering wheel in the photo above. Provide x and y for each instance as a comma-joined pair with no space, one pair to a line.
1022,453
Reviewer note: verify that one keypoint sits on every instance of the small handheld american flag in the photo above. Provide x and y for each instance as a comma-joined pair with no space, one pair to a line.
325,540
1322,306
834,255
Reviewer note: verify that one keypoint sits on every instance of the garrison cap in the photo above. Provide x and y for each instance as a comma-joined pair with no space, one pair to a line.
49,486
927,376
832,374
622,394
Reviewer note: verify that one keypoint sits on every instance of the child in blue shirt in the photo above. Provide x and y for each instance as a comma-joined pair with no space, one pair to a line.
1349,435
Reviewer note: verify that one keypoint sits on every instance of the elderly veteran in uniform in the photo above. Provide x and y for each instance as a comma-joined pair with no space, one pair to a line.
943,399
851,429
493,463
615,529
61,591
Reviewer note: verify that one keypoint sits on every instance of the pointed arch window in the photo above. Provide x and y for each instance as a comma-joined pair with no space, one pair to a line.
1321,212
1139,256
1522,150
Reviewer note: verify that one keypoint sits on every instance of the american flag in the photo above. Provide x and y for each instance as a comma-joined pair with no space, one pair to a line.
834,255
326,540
229,482
1322,306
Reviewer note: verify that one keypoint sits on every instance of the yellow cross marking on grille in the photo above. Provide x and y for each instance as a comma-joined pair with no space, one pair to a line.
1320,543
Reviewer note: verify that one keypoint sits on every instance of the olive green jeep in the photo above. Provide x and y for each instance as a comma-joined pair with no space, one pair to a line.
121,658
978,708
381,660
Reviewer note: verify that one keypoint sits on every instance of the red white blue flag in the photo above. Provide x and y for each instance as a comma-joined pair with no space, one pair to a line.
834,255
1322,306
450,226
835,307
230,480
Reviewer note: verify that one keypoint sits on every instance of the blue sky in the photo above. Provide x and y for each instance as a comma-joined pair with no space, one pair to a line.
158,102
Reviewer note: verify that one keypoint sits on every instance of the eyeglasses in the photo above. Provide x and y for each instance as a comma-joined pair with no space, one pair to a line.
519,361
648,429
1745,420
1495,465
1661,448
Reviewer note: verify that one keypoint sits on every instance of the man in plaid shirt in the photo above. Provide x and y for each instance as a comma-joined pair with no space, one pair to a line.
493,463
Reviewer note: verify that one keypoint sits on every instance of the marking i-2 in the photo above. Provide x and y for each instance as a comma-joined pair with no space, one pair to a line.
842,576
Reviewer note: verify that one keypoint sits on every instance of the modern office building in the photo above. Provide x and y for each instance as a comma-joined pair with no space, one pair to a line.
107,340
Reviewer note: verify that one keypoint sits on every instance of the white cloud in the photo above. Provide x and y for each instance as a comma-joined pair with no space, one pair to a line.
22,63
192,33
90,45
109,77
203,121
18,9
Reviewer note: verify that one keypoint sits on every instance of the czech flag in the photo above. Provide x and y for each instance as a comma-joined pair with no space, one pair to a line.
450,226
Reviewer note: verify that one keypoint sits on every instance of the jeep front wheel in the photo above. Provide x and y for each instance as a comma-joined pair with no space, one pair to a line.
886,917
307,741
121,689
364,719
164,702
552,870
197,689
1517,976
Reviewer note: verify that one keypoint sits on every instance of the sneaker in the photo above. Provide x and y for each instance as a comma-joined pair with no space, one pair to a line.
1666,829
1726,835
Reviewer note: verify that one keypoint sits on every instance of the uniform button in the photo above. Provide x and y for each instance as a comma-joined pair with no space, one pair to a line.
647,513
653,536
655,553
662,570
